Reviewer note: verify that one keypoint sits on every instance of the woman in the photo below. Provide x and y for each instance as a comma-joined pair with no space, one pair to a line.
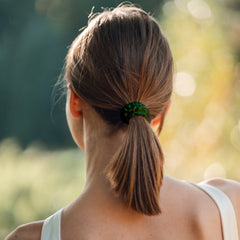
119,80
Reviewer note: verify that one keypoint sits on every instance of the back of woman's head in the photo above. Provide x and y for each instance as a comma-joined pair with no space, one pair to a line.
122,57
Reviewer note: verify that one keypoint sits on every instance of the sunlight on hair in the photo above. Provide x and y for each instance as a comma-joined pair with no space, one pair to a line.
184,84
199,9
215,170
235,136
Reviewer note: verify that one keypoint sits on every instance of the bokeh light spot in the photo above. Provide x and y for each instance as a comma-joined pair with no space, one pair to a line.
214,170
169,8
182,5
199,9
184,84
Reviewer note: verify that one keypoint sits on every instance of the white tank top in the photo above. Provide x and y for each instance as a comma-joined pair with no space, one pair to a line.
228,218
51,229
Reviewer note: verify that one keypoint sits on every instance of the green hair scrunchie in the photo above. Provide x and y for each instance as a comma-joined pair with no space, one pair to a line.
132,109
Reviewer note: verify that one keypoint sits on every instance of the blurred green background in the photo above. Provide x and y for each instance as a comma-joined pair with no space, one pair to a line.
41,170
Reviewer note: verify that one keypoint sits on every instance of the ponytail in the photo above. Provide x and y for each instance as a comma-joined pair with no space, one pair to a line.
136,170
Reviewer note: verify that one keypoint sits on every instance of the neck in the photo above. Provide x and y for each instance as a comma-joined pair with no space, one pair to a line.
99,149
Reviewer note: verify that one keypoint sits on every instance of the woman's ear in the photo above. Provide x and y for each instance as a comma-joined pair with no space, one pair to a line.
75,104
157,120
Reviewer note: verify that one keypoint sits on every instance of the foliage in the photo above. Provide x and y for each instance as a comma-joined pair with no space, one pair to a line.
203,127
34,38
35,182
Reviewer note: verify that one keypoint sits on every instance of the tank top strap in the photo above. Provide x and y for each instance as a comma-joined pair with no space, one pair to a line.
51,229
228,218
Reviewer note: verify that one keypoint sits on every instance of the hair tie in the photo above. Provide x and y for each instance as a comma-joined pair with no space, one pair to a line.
132,109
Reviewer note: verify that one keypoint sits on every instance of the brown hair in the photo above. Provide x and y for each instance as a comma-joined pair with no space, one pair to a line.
122,57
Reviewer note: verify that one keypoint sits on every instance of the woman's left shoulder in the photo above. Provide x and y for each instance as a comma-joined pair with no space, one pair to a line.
232,189
229,187
30,231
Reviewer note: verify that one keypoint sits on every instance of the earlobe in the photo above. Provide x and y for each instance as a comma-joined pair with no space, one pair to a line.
157,120
75,104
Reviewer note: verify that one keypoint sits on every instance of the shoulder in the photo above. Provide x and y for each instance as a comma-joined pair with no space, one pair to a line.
232,190
30,231
230,187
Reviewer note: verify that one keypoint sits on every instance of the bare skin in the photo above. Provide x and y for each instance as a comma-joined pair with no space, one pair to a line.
187,212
